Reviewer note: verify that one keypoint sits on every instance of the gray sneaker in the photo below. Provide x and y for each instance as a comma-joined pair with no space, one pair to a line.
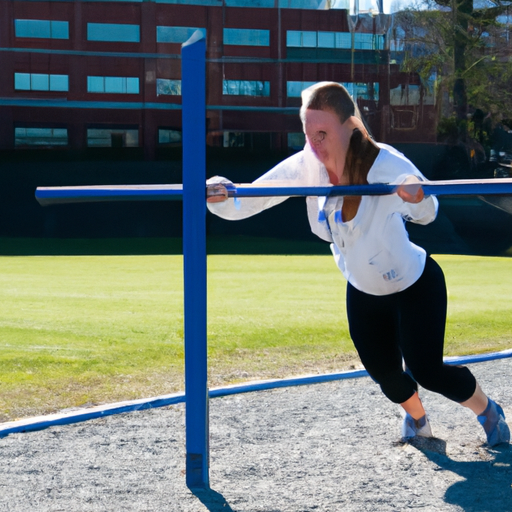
412,428
495,426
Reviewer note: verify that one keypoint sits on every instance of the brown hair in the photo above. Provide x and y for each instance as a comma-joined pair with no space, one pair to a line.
361,154
330,96
362,151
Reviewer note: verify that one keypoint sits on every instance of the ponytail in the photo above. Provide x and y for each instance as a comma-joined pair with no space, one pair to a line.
361,154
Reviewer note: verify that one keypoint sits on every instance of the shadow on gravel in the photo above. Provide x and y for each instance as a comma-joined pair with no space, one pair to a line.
212,500
487,484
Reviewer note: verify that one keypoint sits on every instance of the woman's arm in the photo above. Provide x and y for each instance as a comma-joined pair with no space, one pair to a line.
290,172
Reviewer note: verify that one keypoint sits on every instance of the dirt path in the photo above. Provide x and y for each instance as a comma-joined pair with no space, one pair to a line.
326,447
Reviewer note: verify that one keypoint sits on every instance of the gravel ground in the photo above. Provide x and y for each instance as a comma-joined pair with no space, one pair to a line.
325,447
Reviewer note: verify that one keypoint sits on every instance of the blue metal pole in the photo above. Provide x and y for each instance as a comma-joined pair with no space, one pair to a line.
193,88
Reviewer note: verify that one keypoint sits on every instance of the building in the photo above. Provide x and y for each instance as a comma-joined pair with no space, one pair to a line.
85,75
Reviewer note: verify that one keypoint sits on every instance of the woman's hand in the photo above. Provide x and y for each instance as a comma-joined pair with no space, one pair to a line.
411,190
217,189
216,193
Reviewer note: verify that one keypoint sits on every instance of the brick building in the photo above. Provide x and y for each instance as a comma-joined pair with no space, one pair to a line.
82,75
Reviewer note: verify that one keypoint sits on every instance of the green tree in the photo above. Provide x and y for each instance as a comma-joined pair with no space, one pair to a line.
467,51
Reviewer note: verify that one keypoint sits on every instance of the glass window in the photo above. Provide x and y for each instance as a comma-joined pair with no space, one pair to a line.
293,38
22,81
301,38
166,136
343,40
113,32
95,84
59,29
326,40
112,138
296,140
249,3
246,37
175,34
40,136
59,83
113,84
217,3
308,39
303,4
233,139
368,42
166,87
32,28
132,85
409,94
293,89
362,91
40,82
356,90
245,88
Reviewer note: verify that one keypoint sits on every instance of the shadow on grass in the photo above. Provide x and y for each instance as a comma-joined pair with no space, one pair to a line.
487,483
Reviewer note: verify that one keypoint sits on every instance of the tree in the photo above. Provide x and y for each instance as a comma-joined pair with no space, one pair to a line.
463,51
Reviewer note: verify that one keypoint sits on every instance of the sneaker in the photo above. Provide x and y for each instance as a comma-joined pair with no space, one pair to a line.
412,428
495,426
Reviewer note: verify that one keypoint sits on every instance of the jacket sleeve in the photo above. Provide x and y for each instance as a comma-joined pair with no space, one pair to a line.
423,212
394,168
288,172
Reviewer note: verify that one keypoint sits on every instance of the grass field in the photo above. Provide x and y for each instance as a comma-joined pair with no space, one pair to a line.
77,330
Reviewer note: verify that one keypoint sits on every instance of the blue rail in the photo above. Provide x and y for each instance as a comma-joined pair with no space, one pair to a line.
60,195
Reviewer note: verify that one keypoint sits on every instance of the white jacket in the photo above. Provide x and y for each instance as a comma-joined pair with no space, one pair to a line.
372,250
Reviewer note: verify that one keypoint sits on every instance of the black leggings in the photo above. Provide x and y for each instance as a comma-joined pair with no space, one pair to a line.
407,325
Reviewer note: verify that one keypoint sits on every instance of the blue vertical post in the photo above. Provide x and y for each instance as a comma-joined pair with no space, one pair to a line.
193,87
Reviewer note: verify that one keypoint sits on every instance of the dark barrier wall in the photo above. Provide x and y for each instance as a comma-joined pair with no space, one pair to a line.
464,225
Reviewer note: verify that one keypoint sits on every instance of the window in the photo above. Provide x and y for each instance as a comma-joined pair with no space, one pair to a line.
306,4
175,34
112,138
368,42
40,82
233,139
249,3
245,88
246,37
293,89
308,39
301,38
217,3
296,140
113,84
168,137
40,136
408,94
356,90
44,29
113,32
363,91
166,87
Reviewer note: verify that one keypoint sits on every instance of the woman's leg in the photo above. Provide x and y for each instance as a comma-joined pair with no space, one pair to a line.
422,329
373,324
374,328
423,317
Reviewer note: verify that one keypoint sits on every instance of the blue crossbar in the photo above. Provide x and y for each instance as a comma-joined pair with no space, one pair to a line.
59,195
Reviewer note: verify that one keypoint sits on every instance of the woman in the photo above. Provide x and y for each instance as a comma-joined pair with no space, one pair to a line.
396,293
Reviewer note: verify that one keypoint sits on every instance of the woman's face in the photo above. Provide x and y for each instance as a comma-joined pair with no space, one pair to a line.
329,138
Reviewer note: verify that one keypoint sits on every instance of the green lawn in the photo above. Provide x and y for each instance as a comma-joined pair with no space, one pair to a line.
78,330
